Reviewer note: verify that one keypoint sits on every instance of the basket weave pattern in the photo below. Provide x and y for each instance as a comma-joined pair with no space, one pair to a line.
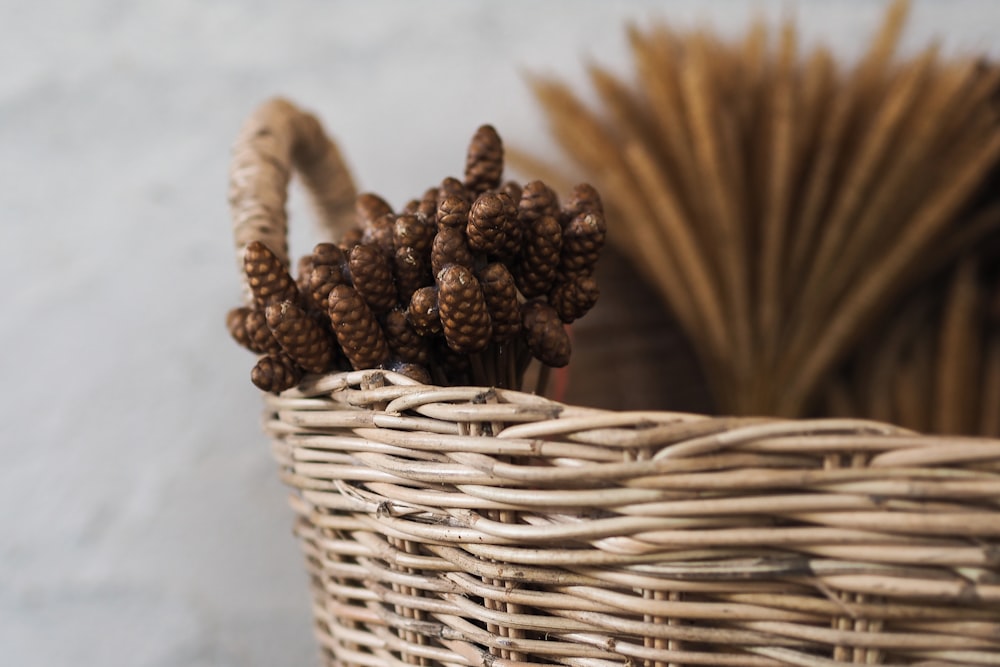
468,526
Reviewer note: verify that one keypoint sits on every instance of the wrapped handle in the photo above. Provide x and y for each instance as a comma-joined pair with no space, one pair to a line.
275,140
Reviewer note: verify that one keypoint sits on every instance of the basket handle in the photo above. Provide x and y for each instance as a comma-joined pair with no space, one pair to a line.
275,140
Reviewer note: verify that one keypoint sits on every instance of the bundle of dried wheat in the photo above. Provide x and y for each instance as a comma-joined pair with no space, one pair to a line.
935,367
780,202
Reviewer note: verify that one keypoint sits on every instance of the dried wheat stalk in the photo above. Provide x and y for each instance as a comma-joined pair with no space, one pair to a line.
782,202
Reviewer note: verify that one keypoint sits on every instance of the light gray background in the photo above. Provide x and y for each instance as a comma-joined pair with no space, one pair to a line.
142,523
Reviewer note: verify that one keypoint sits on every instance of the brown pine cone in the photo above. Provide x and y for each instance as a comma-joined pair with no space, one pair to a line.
370,207
302,274
267,276
536,272
275,373
322,280
262,340
484,160
545,334
464,317
356,328
501,301
582,241
371,272
414,231
329,269
573,298
380,234
302,282
328,254
410,370
300,336
351,238
452,187
583,199
450,247
423,311
411,272
514,229
410,208
236,325
492,219
452,212
428,204
404,342
513,190
248,327
537,201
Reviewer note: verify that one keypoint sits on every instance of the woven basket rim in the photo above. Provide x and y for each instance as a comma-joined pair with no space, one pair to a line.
465,525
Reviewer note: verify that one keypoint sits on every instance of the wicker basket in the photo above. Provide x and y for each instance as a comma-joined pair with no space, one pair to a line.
470,526
473,526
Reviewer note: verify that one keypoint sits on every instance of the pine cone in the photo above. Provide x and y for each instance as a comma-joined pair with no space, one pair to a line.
380,234
356,328
303,271
582,241
411,272
261,338
329,269
405,343
423,311
514,229
371,272
275,373
545,334
414,231
351,238
450,247
328,254
500,294
248,327
302,339
583,199
464,317
452,187
410,370
540,257
452,212
491,219
267,276
322,280
513,190
537,201
236,325
410,208
484,161
573,298
370,207
428,204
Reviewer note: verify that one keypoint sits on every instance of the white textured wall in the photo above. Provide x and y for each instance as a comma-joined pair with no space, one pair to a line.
142,523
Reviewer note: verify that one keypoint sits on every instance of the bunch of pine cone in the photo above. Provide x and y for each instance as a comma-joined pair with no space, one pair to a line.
465,285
